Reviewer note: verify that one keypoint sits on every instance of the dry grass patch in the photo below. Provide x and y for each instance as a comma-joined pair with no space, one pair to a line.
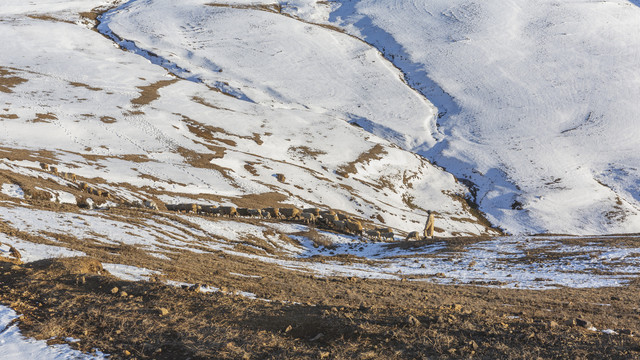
8,81
375,153
150,93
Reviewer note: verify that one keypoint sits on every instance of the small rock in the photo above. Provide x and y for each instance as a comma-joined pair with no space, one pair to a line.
126,353
583,323
324,354
115,290
553,324
123,294
163,311
412,321
289,328
473,345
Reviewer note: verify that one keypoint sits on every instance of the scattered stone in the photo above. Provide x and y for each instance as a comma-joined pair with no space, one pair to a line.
583,323
324,354
412,321
553,324
115,290
123,294
163,311
289,328
126,353
473,345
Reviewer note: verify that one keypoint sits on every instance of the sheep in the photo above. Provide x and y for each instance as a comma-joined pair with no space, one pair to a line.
273,212
387,235
244,212
209,210
83,186
308,218
188,207
150,205
172,207
106,194
69,176
343,217
414,235
373,234
354,226
290,213
254,213
314,211
228,211
44,166
54,170
96,192
265,214
384,229
339,225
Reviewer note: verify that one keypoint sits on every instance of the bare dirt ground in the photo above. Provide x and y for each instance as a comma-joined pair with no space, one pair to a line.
309,317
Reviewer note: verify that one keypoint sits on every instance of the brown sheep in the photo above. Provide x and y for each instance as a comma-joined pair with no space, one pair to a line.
265,214
314,211
172,207
273,212
54,170
83,186
254,213
384,229
244,212
414,235
373,234
228,211
308,218
354,227
290,213
188,208
44,166
209,210
150,205
339,225
343,217
387,235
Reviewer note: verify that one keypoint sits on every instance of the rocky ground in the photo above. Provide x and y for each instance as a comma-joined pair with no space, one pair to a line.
310,317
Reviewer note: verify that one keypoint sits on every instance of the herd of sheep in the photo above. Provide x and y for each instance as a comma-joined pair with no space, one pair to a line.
327,219
313,216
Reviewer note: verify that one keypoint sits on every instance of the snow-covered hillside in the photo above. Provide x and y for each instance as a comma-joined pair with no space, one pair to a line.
211,126
538,101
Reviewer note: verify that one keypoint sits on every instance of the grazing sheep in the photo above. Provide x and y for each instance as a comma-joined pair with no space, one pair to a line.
331,218
314,211
54,170
373,234
228,211
44,166
384,229
327,213
265,214
96,192
150,205
273,212
387,235
254,213
172,207
244,212
290,213
354,227
83,186
343,217
209,210
414,235
188,208
339,225
308,218
106,194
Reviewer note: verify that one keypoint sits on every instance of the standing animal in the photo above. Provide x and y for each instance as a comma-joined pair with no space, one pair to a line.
308,218
44,166
354,227
373,234
188,208
414,235
339,225
254,213
265,214
54,170
150,205
343,217
429,226
290,213
244,212
209,210
387,235
314,211
273,212
228,211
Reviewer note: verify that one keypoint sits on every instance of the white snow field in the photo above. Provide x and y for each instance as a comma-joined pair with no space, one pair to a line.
538,101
